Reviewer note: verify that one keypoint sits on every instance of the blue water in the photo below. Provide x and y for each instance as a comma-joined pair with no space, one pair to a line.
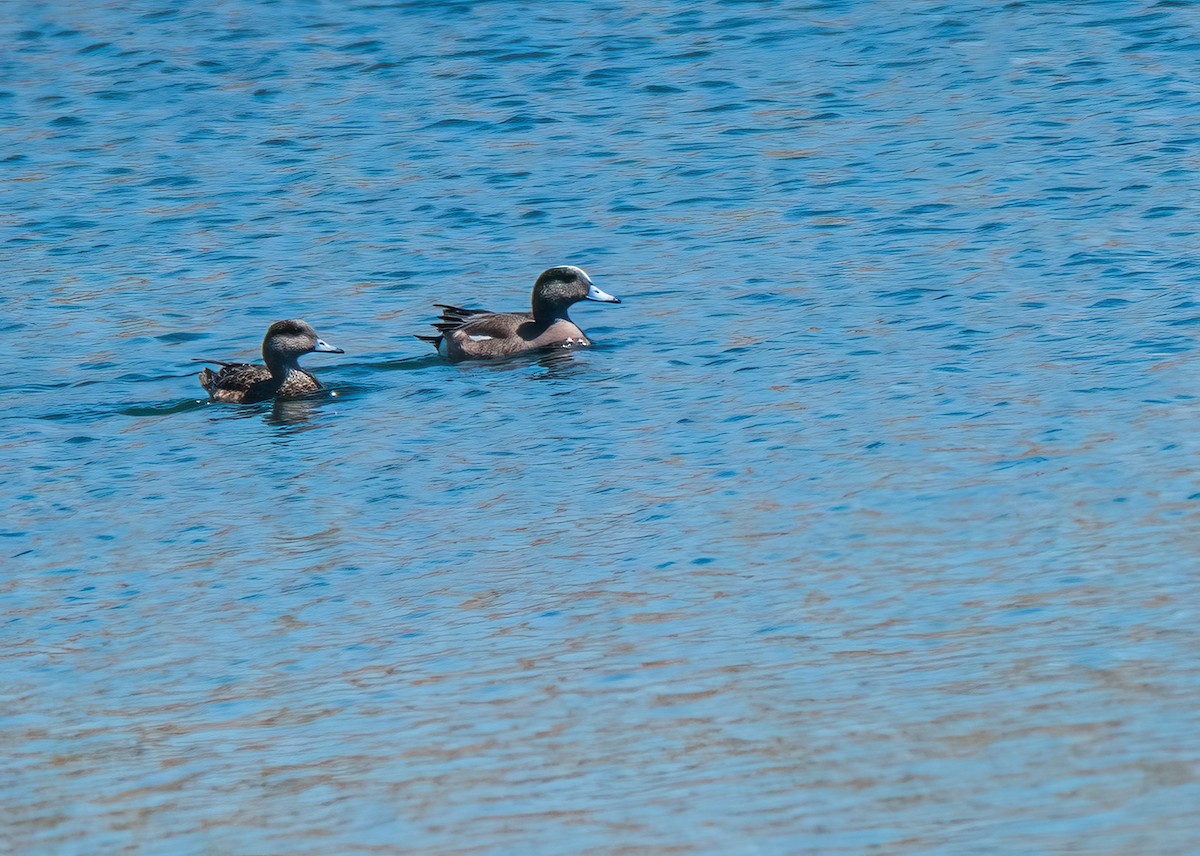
867,526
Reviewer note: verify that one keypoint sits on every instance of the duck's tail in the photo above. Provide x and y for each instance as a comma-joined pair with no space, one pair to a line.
452,318
208,379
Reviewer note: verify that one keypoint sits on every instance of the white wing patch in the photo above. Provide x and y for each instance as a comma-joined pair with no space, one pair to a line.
478,337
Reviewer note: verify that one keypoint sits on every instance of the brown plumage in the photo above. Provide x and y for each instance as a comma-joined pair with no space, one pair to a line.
281,377
477,334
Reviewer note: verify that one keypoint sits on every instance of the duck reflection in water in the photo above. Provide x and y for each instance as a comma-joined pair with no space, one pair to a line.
296,414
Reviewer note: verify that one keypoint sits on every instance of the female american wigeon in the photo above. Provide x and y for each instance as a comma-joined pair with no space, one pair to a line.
281,377
477,334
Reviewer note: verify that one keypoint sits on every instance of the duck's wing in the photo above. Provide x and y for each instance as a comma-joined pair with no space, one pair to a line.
237,382
455,316
240,375
452,318
457,313
490,325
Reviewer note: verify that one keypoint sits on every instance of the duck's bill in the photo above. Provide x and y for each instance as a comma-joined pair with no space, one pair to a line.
326,348
600,296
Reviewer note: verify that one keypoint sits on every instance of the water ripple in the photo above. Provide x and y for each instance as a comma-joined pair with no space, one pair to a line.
873,501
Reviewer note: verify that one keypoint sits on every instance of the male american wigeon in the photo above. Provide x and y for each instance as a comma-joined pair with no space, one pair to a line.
477,334
281,377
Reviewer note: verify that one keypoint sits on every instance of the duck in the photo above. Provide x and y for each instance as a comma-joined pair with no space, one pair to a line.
478,334
281,377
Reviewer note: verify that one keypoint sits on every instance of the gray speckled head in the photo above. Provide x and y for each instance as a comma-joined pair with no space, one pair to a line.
287,340
560,286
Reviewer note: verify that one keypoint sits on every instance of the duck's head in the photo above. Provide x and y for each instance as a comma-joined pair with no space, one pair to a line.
562,285
287,340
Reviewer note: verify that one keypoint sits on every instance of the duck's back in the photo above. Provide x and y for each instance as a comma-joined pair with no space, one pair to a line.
245,383
240,383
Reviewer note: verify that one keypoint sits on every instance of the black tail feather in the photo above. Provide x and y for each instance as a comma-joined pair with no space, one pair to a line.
451,319
456,314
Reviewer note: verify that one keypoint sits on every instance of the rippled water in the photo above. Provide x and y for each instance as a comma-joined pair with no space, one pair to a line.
868,525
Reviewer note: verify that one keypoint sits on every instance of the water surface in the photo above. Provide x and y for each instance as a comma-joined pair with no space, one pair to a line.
868,525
